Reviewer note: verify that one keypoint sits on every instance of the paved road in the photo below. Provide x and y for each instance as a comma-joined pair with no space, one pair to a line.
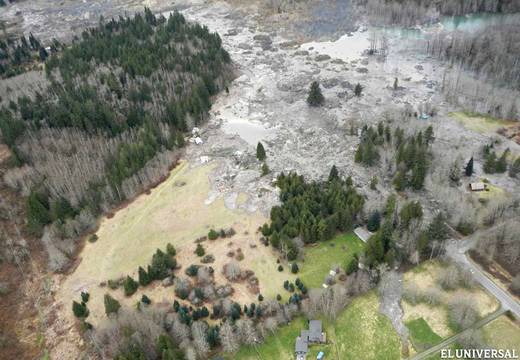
445,343
457,251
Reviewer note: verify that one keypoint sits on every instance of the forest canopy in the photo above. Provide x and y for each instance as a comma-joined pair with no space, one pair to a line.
116,106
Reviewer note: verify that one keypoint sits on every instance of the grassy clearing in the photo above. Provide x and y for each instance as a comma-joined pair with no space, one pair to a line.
502,333
360,332
480,123
491,192
421,334
321,259
173,213
436,317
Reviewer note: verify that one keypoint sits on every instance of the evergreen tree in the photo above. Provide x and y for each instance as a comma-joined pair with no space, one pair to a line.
294,268
170,250
490,163
501,164
260,151
212,235
200,250
396,84
358,90
130,286
85,296
469,167
111,305
333,175
315,97
80,310
143,277
146,300
352,265
265,169
374,221
438,230
514,168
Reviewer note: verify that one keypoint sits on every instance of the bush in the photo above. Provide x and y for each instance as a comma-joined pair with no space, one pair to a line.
113,284
80,310
278,297
111,305
212,235
93,238
192,270
280,268
260,297
200,250
352,266
222,233
146,300
286,284
85,326
291,287
130,286
411,293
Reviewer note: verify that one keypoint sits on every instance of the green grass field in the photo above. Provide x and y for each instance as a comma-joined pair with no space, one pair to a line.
321,259
422,335
481,123
358,333
502,333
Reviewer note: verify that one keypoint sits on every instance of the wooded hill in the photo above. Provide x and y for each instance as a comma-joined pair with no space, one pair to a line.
110,119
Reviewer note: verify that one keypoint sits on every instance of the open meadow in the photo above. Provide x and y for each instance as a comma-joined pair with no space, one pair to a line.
359,332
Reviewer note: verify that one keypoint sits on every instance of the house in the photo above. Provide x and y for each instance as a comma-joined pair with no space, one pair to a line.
314,335
480,186
301,347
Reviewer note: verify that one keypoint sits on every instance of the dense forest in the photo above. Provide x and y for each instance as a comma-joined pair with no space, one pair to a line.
414,12
311,211
109,122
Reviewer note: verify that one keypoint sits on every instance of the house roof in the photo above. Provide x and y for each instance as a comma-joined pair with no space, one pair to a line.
315,329
301,345
478,186
304,334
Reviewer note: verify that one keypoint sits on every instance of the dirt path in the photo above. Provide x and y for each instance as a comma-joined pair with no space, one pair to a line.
391,290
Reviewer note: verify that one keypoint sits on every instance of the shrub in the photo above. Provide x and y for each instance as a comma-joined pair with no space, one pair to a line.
278,297
200,250
93,238
260,297
85,326
280,268
111,305
222,233
80,310
113,284
291,287
212,235
294,268
145,299
130,286
192,270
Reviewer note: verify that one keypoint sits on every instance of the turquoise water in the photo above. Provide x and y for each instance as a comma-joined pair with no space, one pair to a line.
478,21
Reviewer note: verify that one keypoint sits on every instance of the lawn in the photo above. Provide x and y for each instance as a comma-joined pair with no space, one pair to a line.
481,123
502,333
319,260
359,332
422,335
